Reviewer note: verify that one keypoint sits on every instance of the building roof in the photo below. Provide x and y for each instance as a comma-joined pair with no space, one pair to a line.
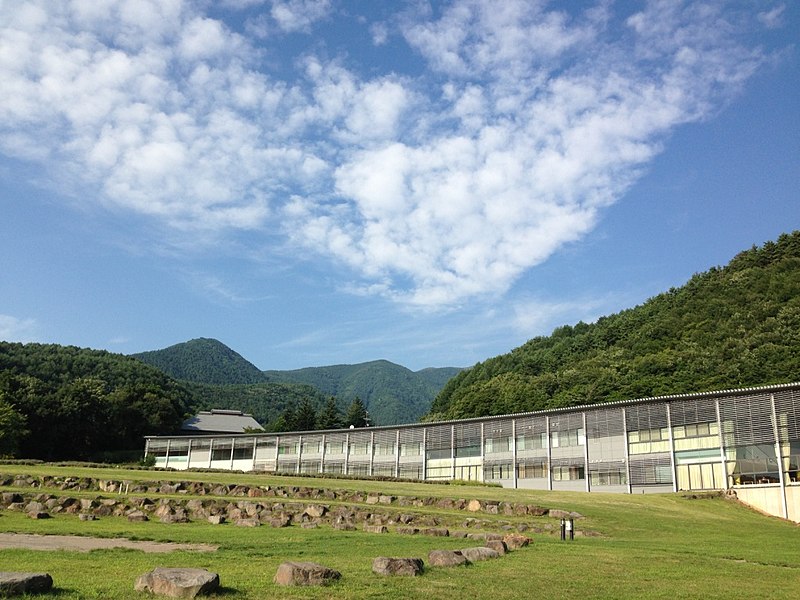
220,421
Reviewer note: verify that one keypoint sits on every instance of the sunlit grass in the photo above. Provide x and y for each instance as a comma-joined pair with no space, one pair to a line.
649,546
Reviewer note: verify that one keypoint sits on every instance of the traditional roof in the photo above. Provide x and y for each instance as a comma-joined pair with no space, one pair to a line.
220,421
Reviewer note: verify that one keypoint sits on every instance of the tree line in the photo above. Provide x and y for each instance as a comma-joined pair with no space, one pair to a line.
304,417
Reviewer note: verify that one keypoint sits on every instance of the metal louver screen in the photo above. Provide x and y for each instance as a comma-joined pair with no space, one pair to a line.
531,426
652,469
566,422
648,416
497,429
438,437
689,412
787,407
604,423
468,434
751,417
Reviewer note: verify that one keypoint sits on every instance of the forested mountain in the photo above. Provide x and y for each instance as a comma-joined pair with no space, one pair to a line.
729,327
203,360
392,394
63,402
265,401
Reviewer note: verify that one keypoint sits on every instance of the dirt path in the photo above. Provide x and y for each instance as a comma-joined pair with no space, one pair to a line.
79,543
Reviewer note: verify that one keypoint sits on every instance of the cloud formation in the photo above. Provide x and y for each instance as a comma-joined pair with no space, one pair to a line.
433,187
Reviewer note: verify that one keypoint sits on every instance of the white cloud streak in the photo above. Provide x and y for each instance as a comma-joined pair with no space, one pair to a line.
433,189
18,330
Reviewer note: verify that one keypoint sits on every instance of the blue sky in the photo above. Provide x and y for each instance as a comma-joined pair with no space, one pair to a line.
316,182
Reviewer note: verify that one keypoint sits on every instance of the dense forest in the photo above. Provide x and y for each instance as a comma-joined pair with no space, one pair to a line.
204,360
729,327
222,378
63,402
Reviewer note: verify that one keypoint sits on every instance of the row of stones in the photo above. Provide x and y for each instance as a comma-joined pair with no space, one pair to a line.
196,488
248,513
189,583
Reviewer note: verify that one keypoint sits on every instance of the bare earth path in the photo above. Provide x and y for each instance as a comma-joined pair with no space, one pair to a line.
85,544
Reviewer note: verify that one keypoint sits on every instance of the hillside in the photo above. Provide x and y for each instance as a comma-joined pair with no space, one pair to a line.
220,378
393,394
203,361
729,327
62,402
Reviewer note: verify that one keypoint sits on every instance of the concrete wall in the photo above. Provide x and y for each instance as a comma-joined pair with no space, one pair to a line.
769,499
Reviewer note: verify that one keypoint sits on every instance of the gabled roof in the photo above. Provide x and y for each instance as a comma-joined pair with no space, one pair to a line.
220,421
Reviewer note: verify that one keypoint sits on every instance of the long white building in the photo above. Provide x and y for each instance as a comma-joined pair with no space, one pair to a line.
743,439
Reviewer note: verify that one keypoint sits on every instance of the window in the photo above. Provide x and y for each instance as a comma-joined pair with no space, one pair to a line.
492,445
468,451
646,441
288,448
410,471
531,471
439,473
333,468
359,448
570,473
334,448
571,437
412,449
439,454
243,453
312,447
498,471
383,470
608,477
532,441
222,453
358,469
309,466
384,449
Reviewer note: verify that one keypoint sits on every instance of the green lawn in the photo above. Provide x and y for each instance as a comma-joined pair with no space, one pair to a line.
649,546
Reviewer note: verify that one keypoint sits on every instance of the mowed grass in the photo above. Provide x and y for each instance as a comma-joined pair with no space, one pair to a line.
649,546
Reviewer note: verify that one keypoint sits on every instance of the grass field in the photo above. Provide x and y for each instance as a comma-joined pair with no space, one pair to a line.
648,546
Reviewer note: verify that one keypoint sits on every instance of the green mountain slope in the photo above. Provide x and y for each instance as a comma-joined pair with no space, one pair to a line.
63,402
203,361
729,327
393,394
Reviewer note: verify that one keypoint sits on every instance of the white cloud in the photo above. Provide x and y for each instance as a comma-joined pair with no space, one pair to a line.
433,188
299,15
18,330
772,19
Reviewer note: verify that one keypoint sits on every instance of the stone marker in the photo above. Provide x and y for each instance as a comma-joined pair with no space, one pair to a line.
446,558
480,553
305,573
383,565
16,584
178,583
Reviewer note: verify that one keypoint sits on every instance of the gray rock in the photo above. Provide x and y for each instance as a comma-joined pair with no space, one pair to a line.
178,583
305,573
384,565
375,528
216,519
498,546
137,516
17,584
479,553
514,541
446,558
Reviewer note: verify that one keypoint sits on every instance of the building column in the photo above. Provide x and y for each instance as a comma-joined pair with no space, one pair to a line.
424,453
722,457
672,451
371,451
627,452
549,454
514,450
452,452
586,452
210,451
778,457
322,454
166,458
397,454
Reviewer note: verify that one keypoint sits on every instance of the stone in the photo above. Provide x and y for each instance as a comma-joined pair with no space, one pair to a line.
407,530
247,523
446,558
315,511
479,553
515,541
178,582
383,499
375,528
38,514
558,514
436,531
305,573
384,565
137,516
87,517
498,546
474,505
216,519
18,583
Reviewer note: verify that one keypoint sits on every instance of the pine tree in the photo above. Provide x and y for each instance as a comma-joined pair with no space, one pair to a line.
329,417
357,414
306,416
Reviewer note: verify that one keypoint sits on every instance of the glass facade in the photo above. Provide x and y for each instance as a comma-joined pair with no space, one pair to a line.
716,440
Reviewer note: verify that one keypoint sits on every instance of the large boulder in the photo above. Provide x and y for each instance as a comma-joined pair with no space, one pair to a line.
178,582
383,565
305,573
17,584
446,558
479,553
514,541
